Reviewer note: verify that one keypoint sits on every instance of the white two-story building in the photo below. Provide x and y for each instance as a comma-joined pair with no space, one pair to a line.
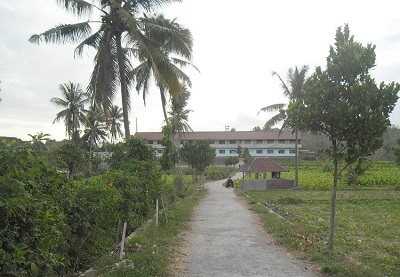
259,143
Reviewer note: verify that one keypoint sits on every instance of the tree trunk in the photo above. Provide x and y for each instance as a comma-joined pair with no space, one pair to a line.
124,87
296,166
333,199
174,146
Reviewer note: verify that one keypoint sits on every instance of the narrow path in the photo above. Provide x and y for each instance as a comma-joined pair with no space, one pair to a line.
226,241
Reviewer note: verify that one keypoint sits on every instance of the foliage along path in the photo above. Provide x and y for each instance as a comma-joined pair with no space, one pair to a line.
226,240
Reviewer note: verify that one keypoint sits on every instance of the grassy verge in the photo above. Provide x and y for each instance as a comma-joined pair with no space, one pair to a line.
153,250
367,228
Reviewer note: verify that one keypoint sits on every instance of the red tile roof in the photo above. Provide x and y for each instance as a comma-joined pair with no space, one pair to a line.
261,164
224,135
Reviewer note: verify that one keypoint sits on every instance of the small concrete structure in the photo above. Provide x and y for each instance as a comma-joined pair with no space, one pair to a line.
263,165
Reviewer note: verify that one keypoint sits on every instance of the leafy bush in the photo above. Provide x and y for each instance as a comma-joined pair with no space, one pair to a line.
93,210
50,226
231,161
217,173
32,222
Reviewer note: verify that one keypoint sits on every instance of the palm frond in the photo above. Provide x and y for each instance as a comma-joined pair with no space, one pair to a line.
272,108
78,7
183,63
92,41
64,33
103,83
274,120
147,5
171,36
142,73
286,90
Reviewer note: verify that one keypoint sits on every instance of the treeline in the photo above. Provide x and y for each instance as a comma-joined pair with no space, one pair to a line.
317,143
51,225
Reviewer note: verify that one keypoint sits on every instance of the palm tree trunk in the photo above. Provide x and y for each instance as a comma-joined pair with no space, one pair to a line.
124,87
296,166
174,147
333,199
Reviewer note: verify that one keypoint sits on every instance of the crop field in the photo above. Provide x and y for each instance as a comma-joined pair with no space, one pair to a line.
367,225
318,175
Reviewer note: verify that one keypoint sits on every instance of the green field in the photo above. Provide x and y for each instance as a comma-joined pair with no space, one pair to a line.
367,229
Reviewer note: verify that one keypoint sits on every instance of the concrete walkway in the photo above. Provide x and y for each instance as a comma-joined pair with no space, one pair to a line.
226,241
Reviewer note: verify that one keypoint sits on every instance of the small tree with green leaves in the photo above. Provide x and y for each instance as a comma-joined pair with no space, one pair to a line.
70,157
231,161
198,154
344,103
246,155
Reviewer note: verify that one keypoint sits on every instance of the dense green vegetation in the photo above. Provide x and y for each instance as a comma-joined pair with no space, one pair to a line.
51,225
367,219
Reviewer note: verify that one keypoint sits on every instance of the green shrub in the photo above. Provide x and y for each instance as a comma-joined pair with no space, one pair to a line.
217,173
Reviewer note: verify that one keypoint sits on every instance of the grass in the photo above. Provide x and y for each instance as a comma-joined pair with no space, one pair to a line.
367,228
152,250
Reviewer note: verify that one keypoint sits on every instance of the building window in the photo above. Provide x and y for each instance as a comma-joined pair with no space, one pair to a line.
259,151
281,151
281,141
292,151
247,141
221,142
232,151
160,151
259,141
159,142
292,141
232,142
270,141
221,151
270,151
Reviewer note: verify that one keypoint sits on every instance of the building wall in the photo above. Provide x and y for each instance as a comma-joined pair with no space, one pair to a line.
257,147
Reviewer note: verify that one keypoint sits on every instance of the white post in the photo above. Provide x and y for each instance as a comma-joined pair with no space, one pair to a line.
156,212
121,253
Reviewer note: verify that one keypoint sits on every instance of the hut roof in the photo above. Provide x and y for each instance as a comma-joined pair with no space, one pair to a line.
262,164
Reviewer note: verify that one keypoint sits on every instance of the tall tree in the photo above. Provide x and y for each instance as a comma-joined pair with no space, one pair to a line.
176,40
95,127
344,103
119,21
179,117
292,89
72,101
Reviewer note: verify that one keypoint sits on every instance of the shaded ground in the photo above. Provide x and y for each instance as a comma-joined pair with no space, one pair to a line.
225,240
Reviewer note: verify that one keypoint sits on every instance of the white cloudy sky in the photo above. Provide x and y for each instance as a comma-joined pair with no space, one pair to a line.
237,45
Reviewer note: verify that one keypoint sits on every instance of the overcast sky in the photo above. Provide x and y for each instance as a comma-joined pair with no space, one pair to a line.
237,45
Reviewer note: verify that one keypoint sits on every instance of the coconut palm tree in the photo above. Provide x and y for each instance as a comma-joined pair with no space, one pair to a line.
176,40
293,89
95,130
114,123
72,101
95,126
119,21
179,116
